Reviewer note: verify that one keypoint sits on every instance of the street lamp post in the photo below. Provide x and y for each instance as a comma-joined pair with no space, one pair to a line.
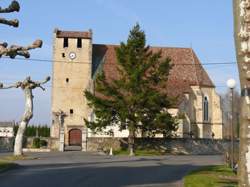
231,83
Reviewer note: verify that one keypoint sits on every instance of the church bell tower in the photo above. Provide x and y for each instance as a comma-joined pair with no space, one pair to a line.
72,64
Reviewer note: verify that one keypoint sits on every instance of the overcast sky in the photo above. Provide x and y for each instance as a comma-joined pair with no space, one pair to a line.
206,26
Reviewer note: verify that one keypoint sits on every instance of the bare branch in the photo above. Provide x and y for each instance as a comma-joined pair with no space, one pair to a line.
14,22
39,84
27,84
16,85
15,50
13,7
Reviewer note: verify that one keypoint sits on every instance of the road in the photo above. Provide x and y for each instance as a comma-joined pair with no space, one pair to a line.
78,169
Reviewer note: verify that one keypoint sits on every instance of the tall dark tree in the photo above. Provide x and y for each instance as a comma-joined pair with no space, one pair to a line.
137,101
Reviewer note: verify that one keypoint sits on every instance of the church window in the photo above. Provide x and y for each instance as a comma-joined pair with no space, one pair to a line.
79,43
65,42
205,109
63,55
67,80
71,111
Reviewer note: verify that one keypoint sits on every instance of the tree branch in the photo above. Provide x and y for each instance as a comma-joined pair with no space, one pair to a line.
13,7
15,50
27,84
14,22
16,85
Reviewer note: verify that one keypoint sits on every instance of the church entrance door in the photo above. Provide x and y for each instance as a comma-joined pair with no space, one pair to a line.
75,137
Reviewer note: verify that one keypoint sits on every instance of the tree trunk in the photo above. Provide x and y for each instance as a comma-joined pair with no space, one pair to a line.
242,37
28,114
244,157
131,142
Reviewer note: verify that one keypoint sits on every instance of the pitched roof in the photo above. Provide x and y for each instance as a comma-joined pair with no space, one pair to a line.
187,70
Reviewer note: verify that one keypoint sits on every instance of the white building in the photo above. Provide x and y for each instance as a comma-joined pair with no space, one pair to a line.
7,129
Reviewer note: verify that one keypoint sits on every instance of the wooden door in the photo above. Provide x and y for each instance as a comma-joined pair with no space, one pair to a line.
75,137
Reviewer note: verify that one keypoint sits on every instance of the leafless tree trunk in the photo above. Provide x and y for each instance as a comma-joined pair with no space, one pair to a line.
27,86
242,41
28,114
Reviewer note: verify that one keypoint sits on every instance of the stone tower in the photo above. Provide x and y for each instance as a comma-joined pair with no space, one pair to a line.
72,64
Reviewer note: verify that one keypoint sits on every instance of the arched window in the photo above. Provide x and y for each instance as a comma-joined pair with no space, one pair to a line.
205,109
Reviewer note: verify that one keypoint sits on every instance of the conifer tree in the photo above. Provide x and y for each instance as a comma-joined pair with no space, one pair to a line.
137,101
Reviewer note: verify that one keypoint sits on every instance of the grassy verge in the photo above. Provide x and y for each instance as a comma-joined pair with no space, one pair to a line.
7,162
141,152
14,158
211,176
6,165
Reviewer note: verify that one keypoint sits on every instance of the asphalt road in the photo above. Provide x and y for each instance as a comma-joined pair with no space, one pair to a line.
78,169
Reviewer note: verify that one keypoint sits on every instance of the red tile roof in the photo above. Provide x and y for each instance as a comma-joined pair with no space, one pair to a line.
187,70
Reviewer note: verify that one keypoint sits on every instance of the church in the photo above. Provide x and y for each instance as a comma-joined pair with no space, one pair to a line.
77,61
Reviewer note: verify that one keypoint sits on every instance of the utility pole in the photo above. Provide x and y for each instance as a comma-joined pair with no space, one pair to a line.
242,42
231,83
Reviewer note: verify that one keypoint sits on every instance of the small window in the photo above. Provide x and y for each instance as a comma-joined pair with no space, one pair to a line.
71,111
65,42
67,80
205,109
63,55
79,43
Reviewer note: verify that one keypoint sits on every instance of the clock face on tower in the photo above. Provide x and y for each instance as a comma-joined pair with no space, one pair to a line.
72,55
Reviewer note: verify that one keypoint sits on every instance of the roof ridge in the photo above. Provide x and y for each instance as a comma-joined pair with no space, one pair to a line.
151,46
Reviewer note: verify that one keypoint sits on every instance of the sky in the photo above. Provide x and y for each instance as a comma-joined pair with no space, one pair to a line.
206,26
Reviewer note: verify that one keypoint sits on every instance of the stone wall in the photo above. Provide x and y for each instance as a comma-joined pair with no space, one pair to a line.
176,146
28,141
6,144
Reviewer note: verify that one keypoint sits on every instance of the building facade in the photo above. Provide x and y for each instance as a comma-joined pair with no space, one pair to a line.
77,62
7,129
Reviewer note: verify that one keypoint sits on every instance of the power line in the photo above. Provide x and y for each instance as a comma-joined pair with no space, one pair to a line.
82,62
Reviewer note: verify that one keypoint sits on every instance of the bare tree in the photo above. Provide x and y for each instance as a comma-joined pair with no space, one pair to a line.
27,86
15,50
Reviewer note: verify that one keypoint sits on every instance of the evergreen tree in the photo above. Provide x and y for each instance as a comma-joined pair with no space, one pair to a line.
137,100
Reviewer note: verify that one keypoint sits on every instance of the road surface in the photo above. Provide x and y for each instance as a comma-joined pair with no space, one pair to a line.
78,169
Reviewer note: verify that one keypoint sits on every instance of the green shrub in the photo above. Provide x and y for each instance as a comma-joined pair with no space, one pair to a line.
43,143
36,143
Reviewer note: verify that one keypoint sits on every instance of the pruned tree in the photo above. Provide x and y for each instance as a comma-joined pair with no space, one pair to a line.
27,86
15,50
137,100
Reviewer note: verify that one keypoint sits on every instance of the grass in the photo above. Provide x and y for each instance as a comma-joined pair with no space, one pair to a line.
4,165
211,176
140,152
6,162
14,158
